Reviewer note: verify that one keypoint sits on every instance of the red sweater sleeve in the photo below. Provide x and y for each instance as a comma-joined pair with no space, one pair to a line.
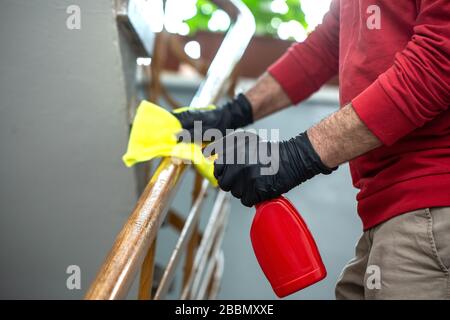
306,66
417,87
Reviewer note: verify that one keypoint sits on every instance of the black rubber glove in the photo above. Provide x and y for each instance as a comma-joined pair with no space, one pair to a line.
235,114
264,173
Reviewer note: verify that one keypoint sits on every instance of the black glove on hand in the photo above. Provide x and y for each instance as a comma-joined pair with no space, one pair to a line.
266,170
235,114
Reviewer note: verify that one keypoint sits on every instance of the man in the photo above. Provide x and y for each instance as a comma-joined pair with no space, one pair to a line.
393,61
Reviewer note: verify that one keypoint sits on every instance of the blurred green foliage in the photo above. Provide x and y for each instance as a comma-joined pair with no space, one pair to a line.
266,20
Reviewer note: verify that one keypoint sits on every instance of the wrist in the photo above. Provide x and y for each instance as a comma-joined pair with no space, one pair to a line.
321,166
320,148
267,96
239,111
305,160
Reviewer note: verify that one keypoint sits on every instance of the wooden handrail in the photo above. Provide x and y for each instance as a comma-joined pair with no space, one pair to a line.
127,254
133,242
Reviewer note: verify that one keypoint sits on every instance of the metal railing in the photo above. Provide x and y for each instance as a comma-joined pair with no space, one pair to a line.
136,243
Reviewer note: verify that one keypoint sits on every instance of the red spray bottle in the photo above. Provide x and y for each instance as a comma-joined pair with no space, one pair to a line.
285,248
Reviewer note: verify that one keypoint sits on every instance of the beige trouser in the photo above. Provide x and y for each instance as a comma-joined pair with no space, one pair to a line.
406,257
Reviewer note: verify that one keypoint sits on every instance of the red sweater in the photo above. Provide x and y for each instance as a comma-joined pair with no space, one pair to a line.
395,71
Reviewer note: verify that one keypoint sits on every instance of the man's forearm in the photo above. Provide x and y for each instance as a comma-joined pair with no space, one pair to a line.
342,137
267,97
337,139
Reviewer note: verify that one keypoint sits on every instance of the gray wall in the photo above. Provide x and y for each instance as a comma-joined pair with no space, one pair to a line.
64,193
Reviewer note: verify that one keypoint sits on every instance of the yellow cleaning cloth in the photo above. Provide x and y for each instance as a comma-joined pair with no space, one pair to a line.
153,135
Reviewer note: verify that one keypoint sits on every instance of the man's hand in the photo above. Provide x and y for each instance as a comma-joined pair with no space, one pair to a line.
264,98
255,170
235,114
